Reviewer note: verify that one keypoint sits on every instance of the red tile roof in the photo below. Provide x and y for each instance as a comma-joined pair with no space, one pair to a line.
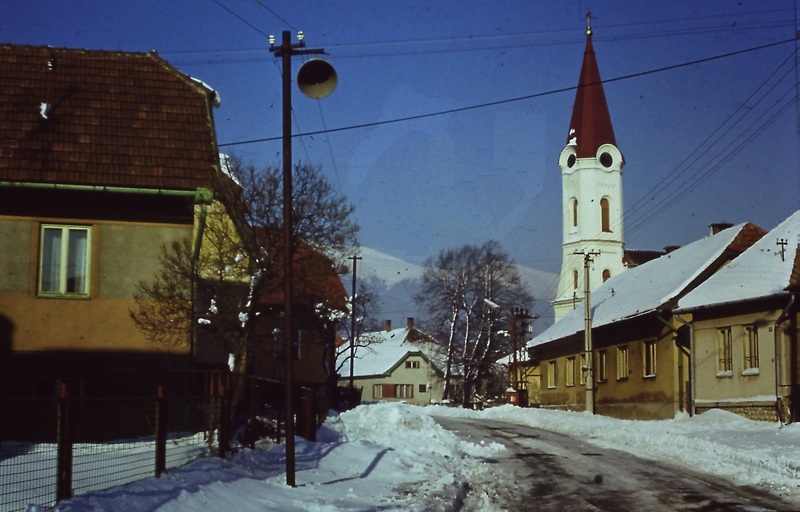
590,126
114,119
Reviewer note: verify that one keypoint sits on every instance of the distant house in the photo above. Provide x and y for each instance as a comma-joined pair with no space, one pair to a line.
319,301
744,329
398,366
640,350
105,157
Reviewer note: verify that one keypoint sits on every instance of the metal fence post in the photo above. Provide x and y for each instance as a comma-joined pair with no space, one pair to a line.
162,417
64,443
224,422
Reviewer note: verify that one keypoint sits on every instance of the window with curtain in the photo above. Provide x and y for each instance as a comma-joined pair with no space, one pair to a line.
64,266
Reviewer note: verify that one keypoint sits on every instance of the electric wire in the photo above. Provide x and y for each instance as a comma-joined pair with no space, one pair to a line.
513,100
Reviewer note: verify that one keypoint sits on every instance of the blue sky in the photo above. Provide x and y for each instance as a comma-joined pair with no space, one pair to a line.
704,140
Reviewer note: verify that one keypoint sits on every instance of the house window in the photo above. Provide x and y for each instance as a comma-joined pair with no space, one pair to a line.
750,350
404,391
423,388
622,362
412,364
724,353
604,216
582,370
64,260
650,358
551,374
377,391
602,366
570,371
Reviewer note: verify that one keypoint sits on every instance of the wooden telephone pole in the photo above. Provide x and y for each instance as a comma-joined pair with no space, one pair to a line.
587,340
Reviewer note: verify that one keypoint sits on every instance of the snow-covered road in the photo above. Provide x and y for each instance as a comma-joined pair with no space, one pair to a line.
546,471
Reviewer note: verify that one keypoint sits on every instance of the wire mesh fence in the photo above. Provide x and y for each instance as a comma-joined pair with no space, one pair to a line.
55,448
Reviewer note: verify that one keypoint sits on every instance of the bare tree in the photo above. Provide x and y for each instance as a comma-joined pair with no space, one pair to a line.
219,288
454,286
366,303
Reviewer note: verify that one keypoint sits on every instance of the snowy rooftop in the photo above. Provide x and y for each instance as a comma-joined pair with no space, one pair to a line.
764,270
389,348
647,287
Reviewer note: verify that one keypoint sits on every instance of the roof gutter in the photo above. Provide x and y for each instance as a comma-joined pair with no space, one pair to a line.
200,194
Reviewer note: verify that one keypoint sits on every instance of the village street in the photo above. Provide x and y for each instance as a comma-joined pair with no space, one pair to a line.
547,471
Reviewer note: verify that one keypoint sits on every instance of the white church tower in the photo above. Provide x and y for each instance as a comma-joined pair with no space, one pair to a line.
591,183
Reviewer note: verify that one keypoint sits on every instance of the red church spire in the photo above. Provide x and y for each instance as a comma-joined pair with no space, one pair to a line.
590,126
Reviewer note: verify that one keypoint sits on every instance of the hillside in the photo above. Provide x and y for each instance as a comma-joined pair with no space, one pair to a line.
397,281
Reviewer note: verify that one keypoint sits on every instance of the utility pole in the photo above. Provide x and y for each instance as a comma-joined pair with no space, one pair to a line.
587,340
353,320
286,50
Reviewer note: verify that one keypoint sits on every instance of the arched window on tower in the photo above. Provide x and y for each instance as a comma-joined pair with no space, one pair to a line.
606,275
574,213
574,279
605,215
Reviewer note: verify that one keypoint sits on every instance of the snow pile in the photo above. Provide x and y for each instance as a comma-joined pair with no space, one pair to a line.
396,457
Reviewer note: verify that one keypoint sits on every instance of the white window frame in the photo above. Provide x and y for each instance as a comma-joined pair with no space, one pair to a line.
569,373
602,366
377,391
551,374
750,350
404,391
649,358
724,352
623,362
65,264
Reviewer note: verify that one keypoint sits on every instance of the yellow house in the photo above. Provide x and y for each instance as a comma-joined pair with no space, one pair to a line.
106,157
744,330
398,367
639,352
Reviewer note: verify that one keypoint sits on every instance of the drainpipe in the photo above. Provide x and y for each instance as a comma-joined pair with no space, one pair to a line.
778,395
692,383
681,404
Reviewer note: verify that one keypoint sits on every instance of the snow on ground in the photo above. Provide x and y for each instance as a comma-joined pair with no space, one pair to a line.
392,456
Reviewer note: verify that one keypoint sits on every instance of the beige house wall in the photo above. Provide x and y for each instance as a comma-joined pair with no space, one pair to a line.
631,394
121,255
746,391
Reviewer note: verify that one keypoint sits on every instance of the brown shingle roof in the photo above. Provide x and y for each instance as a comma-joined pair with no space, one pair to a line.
114,119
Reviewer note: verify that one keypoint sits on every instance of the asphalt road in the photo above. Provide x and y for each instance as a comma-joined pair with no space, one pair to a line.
546,471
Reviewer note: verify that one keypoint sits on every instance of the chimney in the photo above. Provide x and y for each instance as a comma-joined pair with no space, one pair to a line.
387,324
410,322
719,226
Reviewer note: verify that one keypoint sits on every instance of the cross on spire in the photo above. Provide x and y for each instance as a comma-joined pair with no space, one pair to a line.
588,23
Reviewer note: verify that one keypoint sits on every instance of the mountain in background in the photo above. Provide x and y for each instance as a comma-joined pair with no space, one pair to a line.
396,281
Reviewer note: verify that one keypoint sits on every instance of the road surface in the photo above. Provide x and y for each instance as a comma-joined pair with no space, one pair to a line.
546,471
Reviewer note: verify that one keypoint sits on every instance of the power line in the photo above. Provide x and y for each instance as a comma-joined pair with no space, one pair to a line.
512,100
240,18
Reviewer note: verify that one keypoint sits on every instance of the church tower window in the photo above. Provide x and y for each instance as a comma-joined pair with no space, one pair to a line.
574,213
605,216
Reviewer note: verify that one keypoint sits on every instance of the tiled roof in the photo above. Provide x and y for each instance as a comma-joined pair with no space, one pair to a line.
110,119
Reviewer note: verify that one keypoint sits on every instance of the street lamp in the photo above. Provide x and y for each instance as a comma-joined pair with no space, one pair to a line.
315,83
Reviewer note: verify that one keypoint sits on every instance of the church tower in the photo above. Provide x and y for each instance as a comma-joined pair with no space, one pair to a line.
591,184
